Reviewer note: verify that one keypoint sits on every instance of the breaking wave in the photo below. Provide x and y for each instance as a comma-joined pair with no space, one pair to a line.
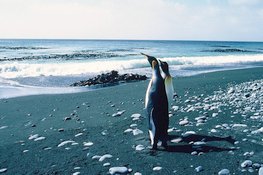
68,68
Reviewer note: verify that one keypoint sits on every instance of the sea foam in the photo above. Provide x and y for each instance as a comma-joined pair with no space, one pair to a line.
71,68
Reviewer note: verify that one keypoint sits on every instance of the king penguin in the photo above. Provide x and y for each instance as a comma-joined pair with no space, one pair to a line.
168,81
156,106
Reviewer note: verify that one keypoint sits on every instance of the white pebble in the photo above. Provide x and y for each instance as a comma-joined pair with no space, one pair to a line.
96,157
128,130
183,122
175,108
3,127
118,113
260,171
177,140
106,164
157,168
199,169
246,163
3,170
139,147
106,156
137,132
188,133
31,137
258,131
213,130
133,125
231,90
224,172
79,134
39,138
76,173
87,143
65,142
137,173
214,114
135,115
119,170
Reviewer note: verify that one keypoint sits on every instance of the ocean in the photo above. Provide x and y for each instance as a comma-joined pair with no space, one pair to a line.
29,67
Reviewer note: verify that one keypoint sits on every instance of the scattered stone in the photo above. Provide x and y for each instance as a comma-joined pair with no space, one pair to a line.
260,171
135,115
96,157
31,137
3,127
133,125
128,130
137,132
224,172
61,130
246,163
87,143
39,138
117,114
199,169
177,140
213,130
258,131
231,90
67,118
65,142
106,164
175,108
183,122
188,133
214,114
157,168
119,170
106,156
139,147
3,170
79,134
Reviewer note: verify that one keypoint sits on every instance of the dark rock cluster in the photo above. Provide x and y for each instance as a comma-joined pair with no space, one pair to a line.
110,78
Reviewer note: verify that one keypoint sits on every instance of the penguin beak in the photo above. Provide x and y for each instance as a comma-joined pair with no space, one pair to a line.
150,58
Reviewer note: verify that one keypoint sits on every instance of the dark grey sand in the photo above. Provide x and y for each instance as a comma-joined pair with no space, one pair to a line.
91,113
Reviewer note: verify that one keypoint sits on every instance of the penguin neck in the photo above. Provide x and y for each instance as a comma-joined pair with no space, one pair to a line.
167,74
156,72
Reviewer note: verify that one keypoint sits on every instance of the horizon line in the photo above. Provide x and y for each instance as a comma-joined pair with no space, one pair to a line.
112,39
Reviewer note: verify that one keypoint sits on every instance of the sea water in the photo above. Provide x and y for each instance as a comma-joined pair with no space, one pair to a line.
50,66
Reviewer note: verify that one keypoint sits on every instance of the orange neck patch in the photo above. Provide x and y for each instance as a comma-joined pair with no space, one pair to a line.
154,63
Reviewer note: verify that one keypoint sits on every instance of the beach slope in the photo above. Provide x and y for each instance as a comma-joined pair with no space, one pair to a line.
215,124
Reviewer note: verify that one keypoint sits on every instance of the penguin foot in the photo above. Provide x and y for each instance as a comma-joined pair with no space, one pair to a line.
154,147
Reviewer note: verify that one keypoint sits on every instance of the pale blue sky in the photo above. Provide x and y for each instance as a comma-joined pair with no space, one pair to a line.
133,19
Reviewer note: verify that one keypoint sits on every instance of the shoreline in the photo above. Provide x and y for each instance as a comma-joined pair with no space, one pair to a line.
98,123
28,90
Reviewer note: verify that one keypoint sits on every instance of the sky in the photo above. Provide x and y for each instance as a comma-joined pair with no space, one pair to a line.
228,20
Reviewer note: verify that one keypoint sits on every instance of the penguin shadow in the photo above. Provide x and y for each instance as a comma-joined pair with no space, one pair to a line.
190,147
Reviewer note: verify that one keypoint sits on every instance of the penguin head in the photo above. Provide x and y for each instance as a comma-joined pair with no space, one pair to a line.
152,60
164,66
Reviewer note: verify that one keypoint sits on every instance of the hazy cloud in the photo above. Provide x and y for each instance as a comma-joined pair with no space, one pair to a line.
132,19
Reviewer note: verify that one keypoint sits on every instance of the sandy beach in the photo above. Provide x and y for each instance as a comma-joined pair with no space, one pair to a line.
215,124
